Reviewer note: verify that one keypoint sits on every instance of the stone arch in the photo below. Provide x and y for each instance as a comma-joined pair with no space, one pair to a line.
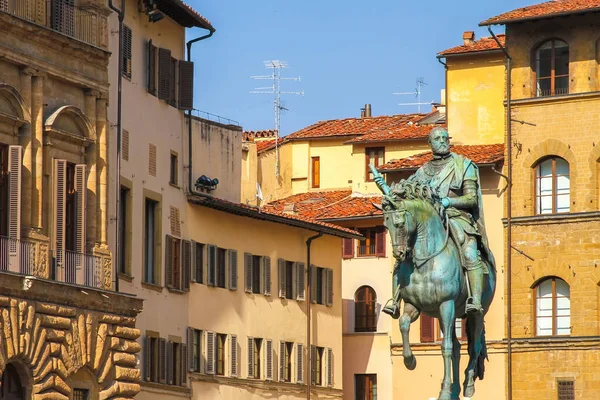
12,105
594,164
549,147
72,121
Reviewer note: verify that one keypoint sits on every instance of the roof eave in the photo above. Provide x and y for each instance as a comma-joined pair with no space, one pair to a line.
514,21
324,137
357,218
387,140
469,53
387,171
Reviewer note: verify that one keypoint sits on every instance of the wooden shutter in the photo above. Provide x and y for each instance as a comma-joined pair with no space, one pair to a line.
233,274
313,283
148,359
329,284
151,68
269,360
127,52
313,363
329,366
233,356
250,357
80,190
281,274
212,265
380,241
125,145
299,363
152,159
170,358
15,161
186,85
282,348
190,349
194,262
300,286
267,275
427,329
162,360
347,248
169,245
164,74
183,353
186,261
63,13
175,221
210,352
60,197
173,84
248,272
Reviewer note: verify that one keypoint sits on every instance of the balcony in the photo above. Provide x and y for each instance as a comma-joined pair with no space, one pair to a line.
364,250
77,268
61,16
16,256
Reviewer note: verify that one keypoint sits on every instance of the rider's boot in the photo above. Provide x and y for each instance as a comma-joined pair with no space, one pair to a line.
393,310
476,283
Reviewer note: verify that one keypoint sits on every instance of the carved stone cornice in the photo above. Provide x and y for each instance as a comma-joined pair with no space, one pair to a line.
92,93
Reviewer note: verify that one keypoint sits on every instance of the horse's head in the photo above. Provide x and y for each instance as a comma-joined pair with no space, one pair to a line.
401,225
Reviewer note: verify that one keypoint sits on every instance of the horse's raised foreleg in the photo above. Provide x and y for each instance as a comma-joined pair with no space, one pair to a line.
475,330
447,317
409,315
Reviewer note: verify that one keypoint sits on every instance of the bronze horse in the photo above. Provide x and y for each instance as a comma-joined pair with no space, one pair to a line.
430,279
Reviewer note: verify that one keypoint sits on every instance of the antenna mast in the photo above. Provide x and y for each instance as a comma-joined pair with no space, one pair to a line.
275,90
417,93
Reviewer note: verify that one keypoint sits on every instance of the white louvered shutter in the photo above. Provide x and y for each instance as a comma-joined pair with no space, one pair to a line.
248,272
329,283
233,356
250,357
281,276
266,275
15,161
60,200
269,360
80,193
212,265
190,349
233,270
299,363
210,352
313,283
329,366
282,361
300,281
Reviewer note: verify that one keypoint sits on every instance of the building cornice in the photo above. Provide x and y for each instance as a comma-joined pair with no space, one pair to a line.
547,219
553,99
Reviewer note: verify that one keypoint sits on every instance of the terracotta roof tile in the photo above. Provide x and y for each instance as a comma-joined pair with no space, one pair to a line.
405,131
249,136
184,14
480,154
351,126
548,9
264,145
483,44
331,205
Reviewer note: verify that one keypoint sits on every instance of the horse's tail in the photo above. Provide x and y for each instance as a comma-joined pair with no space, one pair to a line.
483,356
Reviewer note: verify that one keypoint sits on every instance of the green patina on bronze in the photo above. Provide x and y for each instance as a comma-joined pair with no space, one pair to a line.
444,267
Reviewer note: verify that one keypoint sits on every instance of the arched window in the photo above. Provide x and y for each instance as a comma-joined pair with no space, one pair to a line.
365,314
552,308
11,385
552,68
552,186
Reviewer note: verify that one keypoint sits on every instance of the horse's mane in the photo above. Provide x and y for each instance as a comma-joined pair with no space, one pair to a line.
414,190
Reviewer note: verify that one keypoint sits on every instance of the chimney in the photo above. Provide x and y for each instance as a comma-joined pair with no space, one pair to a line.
367,110
362,112
468,38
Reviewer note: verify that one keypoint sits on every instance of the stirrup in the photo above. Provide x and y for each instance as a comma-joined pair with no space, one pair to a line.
392,310
472,308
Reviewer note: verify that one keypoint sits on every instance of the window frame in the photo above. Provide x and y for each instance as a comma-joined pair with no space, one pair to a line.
554,315
220,353
368,384
367,233
196,350
288,364
319,355
315,172
553,76
156,238
368,175
174,169
554,195
257,351
370,314
124,230
4,191
127,52
221,268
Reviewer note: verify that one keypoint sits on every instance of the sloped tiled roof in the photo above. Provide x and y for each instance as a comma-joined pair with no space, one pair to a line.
483,44
249,136
351,126
405,131
264,145
183,14
548,9
330,205
484,154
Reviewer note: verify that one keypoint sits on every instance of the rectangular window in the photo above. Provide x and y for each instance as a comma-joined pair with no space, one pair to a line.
365,386
566,390
70,210
152,58
316,172
150,239
124,212
127,52
173,99
257,357
320,285
460,327
289,280
321,291
319,366
374,156
4,184
80,394
221,267
366,246
173,262
196,350
256,263
288,347
174,169
220,356
175,361
152,359
198,262
427,325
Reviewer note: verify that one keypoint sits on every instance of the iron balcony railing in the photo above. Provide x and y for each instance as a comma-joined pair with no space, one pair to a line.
59,15
78,268
364,250
16,255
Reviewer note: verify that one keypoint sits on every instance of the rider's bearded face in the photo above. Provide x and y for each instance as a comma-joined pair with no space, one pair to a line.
440,143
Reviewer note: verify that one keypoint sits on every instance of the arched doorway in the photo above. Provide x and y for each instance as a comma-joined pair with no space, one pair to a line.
11,385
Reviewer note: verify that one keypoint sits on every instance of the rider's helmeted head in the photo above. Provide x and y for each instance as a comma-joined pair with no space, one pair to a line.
439,140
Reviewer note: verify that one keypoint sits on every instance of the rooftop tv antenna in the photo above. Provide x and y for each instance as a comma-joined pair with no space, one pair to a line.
275,90
417,93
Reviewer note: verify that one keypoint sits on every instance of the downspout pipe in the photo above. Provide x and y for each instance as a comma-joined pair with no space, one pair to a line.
189,113
446,86
121,15
508,214
308,303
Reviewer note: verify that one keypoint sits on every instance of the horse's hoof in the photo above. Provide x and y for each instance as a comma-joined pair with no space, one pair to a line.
469,390
445,395
410,362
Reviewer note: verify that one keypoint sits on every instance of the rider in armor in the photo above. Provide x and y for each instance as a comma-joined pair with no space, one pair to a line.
455,181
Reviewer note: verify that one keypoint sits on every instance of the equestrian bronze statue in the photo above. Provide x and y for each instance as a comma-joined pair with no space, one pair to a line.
444,267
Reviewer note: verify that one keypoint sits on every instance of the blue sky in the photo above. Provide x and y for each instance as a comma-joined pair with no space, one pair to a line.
348,53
